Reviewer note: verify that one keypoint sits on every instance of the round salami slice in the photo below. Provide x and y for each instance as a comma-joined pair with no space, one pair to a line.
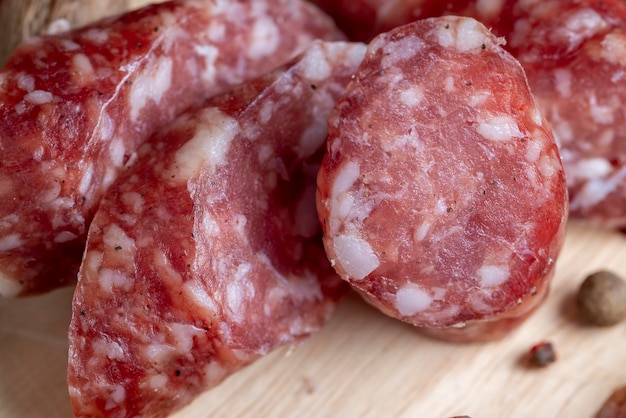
207,253
442,196
75,106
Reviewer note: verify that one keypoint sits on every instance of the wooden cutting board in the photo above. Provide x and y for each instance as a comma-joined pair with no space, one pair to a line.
364,364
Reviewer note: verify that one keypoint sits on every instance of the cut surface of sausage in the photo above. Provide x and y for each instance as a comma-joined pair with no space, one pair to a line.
442,195
75,106
207,252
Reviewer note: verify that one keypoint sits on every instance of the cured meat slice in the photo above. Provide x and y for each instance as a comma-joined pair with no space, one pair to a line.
207,252
574,54
442,195
74,107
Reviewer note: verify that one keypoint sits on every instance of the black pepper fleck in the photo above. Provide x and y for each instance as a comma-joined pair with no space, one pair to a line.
483,46
119,247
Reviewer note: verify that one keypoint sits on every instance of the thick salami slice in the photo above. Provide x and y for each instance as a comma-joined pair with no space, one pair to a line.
207,252
74,107
442,195
574,54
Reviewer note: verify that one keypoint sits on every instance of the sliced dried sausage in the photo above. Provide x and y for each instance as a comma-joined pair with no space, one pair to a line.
442,195
74,107
207,252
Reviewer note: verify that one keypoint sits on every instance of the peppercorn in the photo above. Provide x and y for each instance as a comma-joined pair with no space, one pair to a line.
541,354
601,299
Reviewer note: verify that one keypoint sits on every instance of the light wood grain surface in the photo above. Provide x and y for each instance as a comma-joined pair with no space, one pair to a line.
364,364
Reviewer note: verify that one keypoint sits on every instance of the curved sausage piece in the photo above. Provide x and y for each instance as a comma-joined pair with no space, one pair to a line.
442,195
207,252
74,107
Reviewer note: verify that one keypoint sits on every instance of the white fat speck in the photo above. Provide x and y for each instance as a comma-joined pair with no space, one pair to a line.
266,152
469,36
20,108
157,381
489,8
11,242
133,201
596,190
563,82
342,206
114,236
65,236
264,38
491,276
69,45
82,70
216,30
402,50
585,22
184,334
234,299
347,176
412,96
536,115
118,394
39,97
240,222
445,36
208,148
158,353
58,26
547,167
314,136
498,128
8,287
618,75
614,48
214,373
355,256
601,114
110,279
210,226
478,98
533,151
440,207
106,126
117,151
420,233
200,297
85,180
209,54
265,114
411,299
151,86
97,36
26,82
449,84
315,64
589,168
563,131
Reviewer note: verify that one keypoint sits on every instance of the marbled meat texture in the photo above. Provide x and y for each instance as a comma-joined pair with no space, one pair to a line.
207,253
574,54
74,107
442,194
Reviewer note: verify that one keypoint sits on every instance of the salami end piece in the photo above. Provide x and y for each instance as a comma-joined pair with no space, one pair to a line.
442,196
74,107
207,253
